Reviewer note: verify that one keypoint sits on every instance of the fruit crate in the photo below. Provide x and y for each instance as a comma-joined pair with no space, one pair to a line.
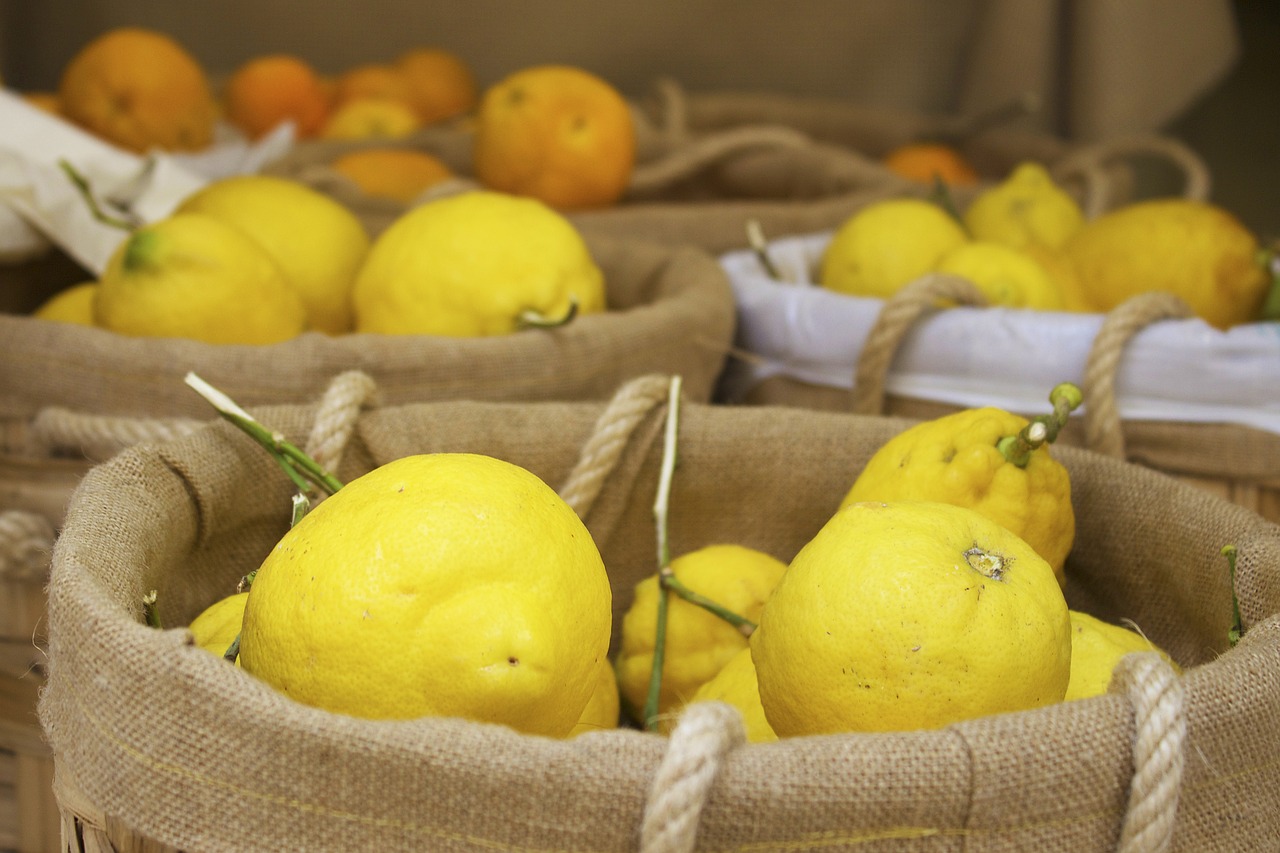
1161,388
1165,762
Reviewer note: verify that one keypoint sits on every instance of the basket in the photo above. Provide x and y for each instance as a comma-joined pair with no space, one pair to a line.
709,163
214,760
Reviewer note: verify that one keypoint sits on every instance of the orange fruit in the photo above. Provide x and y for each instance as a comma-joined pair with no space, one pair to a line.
440,84
268,90
556,133
373,80
371,118
400,174
139,89
47,101
927,161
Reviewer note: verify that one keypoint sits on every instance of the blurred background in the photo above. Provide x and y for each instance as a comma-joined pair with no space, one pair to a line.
1203,71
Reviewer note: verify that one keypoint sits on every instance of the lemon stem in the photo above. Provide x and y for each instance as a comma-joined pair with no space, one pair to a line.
661,510
530,319
247,581
81,183
300,468
756,240
669,580
149,612
1237,625
233,650
1042,429
1271,262
941,196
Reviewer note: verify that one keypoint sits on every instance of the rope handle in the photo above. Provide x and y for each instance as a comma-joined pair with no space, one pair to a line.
1088,164
26,544
897,316
1103,432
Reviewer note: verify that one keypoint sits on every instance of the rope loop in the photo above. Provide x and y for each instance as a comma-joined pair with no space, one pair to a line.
898,315
702,739
337,414
1158,697
26,543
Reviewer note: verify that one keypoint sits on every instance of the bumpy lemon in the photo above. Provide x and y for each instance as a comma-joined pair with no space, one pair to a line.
218,625
1195,250
436,585
194,276
73,305
1096,648
1026,209
886,245
735,684
699,643
318,243
602,709
954,459
910,616
1060,270
1006,276
478,263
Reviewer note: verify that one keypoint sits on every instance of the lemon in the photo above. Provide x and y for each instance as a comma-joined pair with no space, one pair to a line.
1026,209
475,264
435,585
735,684
217,627
73,305
699,643
602,708
954,459
318,243
1096,648
886,245
1005,276
1063,274
193,276
910,616
1195,250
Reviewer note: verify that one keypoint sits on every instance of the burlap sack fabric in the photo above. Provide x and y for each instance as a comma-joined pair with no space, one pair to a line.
160,746
1237,462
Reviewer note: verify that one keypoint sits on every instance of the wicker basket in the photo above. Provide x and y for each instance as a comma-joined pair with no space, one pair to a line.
213,759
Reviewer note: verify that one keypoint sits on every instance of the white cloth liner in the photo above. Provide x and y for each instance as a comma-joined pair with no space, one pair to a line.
1183,370
40,206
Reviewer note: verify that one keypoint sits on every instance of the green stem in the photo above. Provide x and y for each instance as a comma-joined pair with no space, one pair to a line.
941,196
247,581
755,238
81,183
1270,259
530,319
1042,429
233,650
149,612
1237,624
669,580
300,467
661,508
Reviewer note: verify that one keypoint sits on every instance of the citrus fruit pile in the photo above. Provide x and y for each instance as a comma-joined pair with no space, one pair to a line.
259,259
1025,243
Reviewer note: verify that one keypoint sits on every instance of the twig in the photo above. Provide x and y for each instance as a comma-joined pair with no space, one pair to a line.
661,507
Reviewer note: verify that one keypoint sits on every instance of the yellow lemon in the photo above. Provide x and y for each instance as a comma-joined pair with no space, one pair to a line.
371,118
735,684
1026,209
318,243
602,708
478,263
193,276
954,459
1096,648
218,625
1006,276
1063,274
886,245
699,643
436,585
73,305
910,616
1195,250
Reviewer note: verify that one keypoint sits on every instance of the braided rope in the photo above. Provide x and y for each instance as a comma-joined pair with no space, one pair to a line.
897,316
613,429
708,150
1088,162
706,733
336,416
102,436
26,540
1158,697
1102,429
